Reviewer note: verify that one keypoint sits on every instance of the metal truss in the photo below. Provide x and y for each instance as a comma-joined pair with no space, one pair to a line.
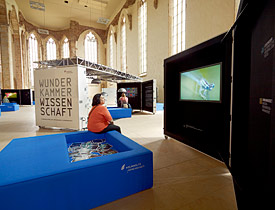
99,71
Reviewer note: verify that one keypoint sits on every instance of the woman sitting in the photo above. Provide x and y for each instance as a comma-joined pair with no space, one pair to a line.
100,119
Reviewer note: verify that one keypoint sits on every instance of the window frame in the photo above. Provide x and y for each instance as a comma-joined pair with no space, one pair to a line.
90,46
177,14
66,48
142,32
51,49
33,56
123,39
111,49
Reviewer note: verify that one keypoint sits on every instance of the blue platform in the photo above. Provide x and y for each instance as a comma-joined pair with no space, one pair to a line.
0,111
36,173
117,112
159,107
7,107
9,104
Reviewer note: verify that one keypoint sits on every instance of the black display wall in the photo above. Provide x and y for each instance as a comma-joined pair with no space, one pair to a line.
202,125
24,96
135,99
141,95
148,97
12,100
253,139
33,96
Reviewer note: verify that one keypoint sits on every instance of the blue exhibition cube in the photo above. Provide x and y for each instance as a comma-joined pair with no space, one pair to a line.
8,107
117,112
36,172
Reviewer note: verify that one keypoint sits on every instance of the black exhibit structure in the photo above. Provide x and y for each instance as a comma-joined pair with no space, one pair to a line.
202,124
19,96
141,95
253,117
238,129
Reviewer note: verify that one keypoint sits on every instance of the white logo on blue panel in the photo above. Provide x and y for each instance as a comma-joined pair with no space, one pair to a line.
132,167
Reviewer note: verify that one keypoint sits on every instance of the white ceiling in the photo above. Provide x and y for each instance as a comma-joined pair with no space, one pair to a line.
57,14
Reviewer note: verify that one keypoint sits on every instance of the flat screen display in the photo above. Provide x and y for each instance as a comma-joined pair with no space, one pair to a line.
201,84
11,95
131,92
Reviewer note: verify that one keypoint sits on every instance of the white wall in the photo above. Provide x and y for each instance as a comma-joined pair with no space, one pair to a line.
204,20
157,39
93,89
207,19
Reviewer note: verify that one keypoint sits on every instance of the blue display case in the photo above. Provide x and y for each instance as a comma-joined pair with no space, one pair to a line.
36,172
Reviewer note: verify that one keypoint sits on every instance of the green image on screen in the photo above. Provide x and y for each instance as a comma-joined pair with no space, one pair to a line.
202,84
11,95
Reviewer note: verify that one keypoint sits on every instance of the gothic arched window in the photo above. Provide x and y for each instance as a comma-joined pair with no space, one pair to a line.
33,56
51,49
66,49
91,47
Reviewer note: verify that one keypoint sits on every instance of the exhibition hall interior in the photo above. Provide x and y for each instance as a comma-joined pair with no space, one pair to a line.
190,84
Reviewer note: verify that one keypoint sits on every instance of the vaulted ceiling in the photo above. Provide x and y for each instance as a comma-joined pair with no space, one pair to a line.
56,14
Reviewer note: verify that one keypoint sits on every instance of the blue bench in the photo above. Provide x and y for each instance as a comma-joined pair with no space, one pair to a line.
7,107
117,112
36,172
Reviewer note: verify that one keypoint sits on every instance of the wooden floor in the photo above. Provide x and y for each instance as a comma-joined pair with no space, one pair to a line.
183,177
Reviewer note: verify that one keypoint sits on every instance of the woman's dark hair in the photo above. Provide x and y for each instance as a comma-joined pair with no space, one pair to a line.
96,99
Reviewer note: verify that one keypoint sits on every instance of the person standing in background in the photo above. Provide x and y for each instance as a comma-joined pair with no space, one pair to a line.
123,101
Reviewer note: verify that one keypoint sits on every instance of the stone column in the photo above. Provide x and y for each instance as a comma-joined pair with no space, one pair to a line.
17,62
7,81
24,61
72,45
74,28
43,49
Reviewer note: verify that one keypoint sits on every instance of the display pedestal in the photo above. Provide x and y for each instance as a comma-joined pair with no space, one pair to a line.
61,97
8,107
36,172
117,112
160,106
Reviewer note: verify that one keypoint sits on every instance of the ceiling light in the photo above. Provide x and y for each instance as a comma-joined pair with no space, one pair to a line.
43,31
37,5
103,20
